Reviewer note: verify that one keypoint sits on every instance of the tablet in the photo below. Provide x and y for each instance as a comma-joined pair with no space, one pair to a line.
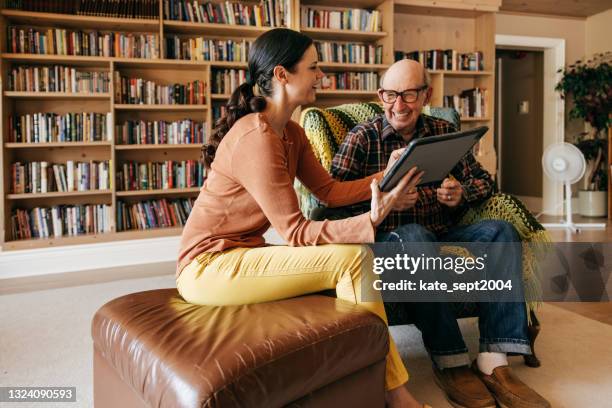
435,155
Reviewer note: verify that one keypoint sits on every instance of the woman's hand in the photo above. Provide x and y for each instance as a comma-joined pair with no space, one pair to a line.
395,155
383,203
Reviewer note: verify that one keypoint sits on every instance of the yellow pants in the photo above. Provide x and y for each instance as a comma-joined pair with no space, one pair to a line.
243,276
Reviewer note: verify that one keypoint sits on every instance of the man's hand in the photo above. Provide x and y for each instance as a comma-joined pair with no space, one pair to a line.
450,193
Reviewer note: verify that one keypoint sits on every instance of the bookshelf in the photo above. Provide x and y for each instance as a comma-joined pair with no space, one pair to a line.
404,24
466,28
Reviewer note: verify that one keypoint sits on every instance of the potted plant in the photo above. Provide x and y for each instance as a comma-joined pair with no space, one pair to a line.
589,83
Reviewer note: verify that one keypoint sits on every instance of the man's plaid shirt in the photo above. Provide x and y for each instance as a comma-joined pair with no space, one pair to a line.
366,150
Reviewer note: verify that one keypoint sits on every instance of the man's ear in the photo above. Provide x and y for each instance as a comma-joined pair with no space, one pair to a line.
379,93
280,73
428,94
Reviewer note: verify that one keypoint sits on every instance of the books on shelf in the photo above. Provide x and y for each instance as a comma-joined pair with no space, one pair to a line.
134,176
357,81
45,177
218,111
185,131
224,81
450,60
203,49
149,214
53,127
470,103
100,8
58,41
349,53
142,91
57,78
60,220
352,19
268,13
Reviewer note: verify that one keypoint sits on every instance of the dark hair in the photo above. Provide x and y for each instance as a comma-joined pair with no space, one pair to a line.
280,46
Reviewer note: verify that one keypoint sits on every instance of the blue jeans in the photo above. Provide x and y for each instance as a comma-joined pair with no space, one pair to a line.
503,325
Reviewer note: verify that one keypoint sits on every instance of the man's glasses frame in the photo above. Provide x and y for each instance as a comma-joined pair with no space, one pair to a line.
407,95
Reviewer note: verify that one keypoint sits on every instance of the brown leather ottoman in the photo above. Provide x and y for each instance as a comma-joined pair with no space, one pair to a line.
152,349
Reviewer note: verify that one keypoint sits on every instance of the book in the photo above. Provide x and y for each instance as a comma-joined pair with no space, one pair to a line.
46,127
143,9
147,214
186,131
57,78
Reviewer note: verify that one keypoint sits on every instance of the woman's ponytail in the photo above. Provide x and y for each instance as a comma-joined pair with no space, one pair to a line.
242,102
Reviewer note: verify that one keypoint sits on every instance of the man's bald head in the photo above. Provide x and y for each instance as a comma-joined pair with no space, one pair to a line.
402,69
409,78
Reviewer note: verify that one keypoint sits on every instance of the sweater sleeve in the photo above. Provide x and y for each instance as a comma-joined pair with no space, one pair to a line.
265,176
332,192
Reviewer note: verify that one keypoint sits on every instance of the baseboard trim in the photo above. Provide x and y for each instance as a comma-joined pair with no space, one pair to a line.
87,257
91,263
87,277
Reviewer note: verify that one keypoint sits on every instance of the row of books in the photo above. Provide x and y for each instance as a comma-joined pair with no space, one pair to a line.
185,131
160,175
218,111
202,49
269,13
149,214
61,220
349,53
100,8
45,177
224,81
357,81
445,59
470,103
57,78
57,41
353,19
143,91
53,127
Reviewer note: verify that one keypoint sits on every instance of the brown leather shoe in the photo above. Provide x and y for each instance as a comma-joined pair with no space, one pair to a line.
508,390
463,388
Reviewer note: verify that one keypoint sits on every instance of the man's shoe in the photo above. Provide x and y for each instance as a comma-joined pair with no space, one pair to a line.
508,390
463,388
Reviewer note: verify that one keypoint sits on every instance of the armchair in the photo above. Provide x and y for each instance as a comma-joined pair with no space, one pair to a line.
326,129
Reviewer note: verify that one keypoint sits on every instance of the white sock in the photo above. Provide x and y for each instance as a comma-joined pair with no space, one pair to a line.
487,362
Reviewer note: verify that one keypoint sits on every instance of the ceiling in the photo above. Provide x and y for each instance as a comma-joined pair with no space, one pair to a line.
570,8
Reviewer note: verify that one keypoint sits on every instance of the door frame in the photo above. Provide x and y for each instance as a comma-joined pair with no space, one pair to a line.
554,105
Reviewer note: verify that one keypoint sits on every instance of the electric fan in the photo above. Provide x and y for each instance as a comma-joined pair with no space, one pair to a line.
564,162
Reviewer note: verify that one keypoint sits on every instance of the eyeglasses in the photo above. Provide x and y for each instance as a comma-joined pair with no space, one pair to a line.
408,96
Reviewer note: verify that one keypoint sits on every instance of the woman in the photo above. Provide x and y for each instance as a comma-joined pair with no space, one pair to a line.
257,152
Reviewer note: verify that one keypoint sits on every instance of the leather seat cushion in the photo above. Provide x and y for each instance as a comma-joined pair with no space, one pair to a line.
177,354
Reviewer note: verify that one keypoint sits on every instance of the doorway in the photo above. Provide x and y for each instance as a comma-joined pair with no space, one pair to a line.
554,106
519,123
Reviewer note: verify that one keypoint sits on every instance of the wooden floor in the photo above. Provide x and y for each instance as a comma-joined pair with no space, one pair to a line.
600,311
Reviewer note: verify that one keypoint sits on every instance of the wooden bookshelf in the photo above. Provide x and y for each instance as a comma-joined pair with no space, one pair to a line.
31,18
158,192
183,27
425,25
159,70
343,35
406,25
164,108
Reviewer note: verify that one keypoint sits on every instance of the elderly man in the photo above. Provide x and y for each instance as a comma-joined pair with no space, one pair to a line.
429,214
